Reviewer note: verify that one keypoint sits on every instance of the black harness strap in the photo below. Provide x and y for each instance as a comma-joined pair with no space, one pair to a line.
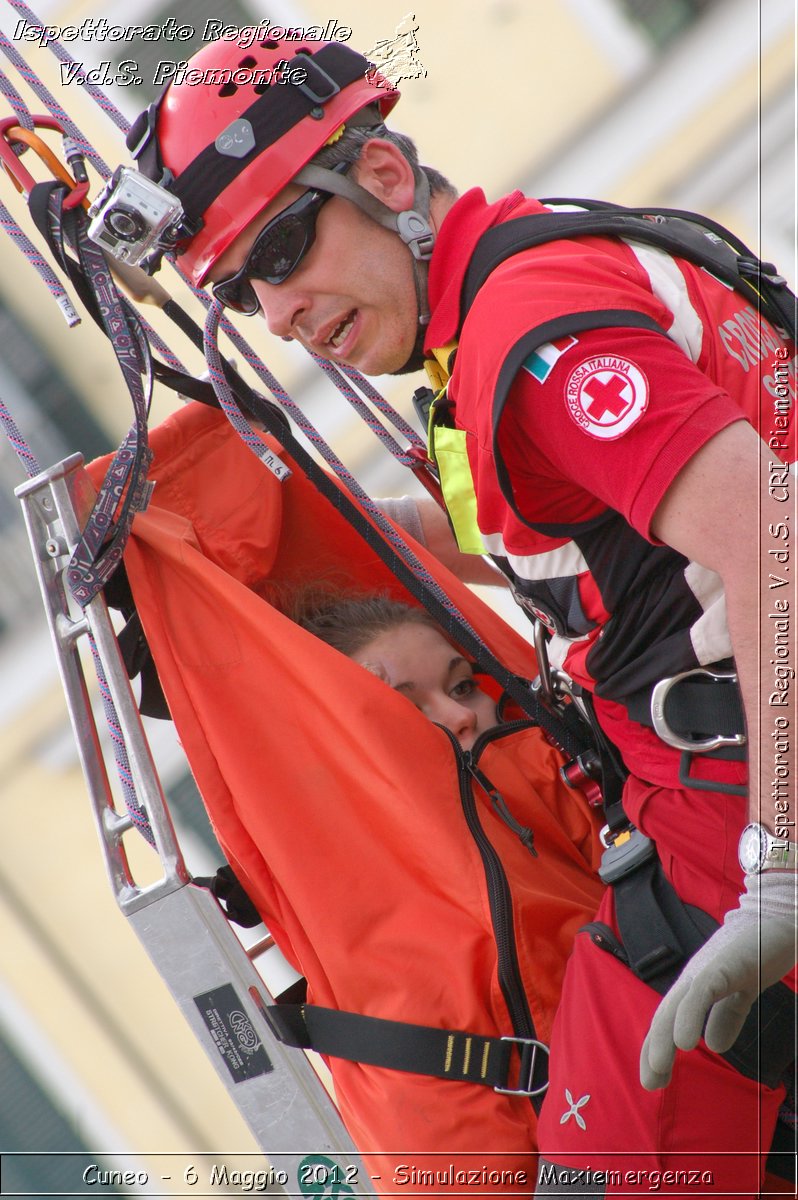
696,708
683,234
658,931
443,1053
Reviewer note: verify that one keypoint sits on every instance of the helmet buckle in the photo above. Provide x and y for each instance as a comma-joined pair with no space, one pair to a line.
318,86
416,233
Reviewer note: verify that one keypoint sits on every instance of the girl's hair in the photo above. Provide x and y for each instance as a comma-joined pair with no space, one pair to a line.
349,623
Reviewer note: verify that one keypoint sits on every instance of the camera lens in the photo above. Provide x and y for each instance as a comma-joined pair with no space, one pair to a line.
126,223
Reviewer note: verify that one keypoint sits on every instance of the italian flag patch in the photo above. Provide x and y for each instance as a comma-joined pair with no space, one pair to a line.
541,362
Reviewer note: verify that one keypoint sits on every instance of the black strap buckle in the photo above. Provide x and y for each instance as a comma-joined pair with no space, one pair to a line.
753,268
623,853
659,702
528,1049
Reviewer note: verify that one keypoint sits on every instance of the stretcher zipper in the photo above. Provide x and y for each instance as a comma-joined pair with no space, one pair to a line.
499,895
524,834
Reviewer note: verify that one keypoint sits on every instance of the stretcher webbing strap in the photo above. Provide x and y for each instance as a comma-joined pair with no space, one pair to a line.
443,1053
125,489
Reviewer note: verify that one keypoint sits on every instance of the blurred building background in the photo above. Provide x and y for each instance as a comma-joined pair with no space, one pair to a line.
686,103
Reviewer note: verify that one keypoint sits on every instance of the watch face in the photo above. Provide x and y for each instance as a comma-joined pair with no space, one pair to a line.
753,846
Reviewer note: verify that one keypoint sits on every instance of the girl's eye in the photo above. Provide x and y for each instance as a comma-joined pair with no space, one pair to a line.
463,689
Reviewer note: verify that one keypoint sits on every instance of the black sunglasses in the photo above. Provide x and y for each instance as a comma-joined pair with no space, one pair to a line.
277,250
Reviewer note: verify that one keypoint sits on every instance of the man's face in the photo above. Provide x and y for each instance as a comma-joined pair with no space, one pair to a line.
352,298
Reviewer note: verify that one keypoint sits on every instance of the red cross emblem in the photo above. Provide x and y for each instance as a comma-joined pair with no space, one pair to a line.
606,395
611,397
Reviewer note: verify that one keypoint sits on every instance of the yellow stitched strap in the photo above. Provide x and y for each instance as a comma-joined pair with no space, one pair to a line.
438,367
447,448
449,453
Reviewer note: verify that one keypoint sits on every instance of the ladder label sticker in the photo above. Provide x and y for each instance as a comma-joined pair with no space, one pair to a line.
233,1033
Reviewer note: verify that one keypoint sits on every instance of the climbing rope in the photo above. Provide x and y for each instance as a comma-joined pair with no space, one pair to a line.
123,492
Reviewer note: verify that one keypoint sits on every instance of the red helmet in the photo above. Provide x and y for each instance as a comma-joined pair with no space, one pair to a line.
236,133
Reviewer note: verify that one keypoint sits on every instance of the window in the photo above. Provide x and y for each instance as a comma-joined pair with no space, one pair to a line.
663,20
155,59
32,1125
191,821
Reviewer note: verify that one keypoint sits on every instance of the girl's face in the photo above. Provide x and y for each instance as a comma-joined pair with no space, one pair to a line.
417,661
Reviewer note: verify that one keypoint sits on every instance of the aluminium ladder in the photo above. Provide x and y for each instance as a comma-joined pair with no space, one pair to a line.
182,927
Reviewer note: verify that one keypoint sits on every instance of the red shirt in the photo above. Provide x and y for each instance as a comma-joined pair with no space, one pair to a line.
594,430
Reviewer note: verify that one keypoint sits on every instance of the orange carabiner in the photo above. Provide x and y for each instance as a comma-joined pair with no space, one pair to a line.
11,132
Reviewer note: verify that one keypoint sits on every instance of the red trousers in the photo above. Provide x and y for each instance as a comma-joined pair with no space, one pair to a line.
709,1131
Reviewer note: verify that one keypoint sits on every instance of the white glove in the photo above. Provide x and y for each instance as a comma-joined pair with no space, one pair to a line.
754,947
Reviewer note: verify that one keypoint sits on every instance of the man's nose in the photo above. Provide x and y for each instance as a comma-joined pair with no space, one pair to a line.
282,305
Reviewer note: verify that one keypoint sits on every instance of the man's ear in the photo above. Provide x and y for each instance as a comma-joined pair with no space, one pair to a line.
384,171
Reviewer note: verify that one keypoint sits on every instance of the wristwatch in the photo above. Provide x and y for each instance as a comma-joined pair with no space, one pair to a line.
760,850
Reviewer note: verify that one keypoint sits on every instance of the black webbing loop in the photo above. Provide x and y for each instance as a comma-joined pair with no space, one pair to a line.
659,932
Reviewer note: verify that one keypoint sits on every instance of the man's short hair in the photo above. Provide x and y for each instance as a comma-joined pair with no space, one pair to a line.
348,147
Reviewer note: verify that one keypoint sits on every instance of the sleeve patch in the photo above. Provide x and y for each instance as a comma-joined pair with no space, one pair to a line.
606,396
541,362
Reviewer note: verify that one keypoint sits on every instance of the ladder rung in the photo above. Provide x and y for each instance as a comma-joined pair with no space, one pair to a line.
259,947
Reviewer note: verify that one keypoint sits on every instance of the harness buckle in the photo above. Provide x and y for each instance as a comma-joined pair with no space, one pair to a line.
623,853
659,700
528,1049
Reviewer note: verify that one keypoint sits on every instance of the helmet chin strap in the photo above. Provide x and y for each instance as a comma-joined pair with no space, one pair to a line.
412,226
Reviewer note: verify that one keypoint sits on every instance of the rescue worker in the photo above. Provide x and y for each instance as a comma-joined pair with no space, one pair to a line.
616,474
